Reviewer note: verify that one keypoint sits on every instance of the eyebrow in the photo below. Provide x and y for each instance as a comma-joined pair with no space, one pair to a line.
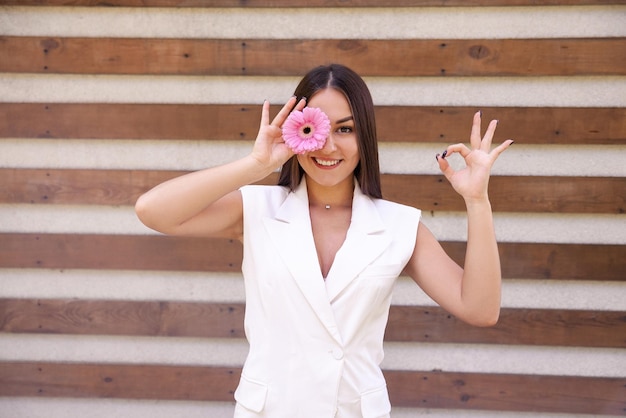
347,118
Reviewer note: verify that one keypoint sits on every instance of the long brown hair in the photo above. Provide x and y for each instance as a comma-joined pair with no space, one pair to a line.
352,86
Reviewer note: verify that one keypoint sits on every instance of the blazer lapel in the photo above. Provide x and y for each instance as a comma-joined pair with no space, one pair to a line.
291,232
365,241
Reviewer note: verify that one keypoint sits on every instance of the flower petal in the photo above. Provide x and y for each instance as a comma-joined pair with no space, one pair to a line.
298,137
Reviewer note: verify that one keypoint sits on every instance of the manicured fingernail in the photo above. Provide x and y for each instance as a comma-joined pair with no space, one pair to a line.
480,112
437,157
444,154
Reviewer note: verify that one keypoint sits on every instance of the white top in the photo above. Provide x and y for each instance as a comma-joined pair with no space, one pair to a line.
316,345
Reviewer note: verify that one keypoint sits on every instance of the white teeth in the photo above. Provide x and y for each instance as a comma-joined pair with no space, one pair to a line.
326,163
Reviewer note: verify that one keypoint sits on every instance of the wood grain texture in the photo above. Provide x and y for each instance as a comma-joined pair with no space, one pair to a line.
309,3
138,252
294,57
507,392
166,253
417,124
427,389
535,194
547,327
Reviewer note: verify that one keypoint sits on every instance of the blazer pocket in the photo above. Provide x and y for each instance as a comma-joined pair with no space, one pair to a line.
375,403
251,394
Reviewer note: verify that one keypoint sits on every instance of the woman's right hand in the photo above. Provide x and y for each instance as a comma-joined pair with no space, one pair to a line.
270,150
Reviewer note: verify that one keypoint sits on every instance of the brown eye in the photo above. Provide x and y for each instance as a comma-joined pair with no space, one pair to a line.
345,129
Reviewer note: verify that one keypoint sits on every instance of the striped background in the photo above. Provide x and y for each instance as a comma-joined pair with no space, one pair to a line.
27,156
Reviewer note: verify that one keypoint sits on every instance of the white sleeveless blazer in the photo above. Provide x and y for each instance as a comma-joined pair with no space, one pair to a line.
315,344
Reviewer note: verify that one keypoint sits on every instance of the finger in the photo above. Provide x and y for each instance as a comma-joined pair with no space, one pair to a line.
459,148
265,113
301,104
475,137
500,148
284,112
485,144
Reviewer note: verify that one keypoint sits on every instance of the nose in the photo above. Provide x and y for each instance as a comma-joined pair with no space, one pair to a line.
329,145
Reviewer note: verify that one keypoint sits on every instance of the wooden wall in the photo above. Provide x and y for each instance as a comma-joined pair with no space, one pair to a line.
101,317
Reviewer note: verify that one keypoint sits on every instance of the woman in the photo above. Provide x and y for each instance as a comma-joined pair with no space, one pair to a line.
322,251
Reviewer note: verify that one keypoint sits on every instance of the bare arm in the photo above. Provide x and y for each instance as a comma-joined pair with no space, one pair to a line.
208,202
471,293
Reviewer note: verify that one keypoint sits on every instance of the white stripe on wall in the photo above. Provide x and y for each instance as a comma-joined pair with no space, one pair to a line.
447,226
395,158
448,357
346,23
409,91
220,287
121,408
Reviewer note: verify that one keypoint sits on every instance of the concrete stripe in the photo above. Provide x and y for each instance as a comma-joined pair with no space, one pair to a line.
478,358
229,288
469,358
447,226
107,408
395,158
122,285
121,408
276,23
410,91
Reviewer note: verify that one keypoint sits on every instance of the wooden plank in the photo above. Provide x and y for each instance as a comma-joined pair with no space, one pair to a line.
428,192
531,194
139,252
551,327
118,381
507,392
294,57
422,389
423,124
309,3
106,317
555,261
132,252
90,187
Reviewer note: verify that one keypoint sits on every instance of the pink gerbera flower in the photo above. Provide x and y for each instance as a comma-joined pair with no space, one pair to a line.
306,130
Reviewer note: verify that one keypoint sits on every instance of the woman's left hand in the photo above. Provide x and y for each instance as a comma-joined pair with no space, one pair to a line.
472,181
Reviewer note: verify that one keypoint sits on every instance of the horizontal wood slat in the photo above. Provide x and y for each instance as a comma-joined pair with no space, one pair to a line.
550,327
427,192
527,125
507,392
309,3
218,320
119,252
118,381
280,57
139,252
503,392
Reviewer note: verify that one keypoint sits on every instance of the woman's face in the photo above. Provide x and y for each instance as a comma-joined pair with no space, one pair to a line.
336,161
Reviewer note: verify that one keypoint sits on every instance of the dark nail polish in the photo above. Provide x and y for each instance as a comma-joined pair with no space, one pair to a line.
480,112
437,157
444,154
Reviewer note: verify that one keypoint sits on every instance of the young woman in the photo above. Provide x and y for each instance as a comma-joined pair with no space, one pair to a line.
322,251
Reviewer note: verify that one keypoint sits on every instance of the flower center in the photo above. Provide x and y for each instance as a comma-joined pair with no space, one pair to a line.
307,130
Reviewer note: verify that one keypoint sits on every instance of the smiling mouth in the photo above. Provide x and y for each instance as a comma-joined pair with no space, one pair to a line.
326,163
